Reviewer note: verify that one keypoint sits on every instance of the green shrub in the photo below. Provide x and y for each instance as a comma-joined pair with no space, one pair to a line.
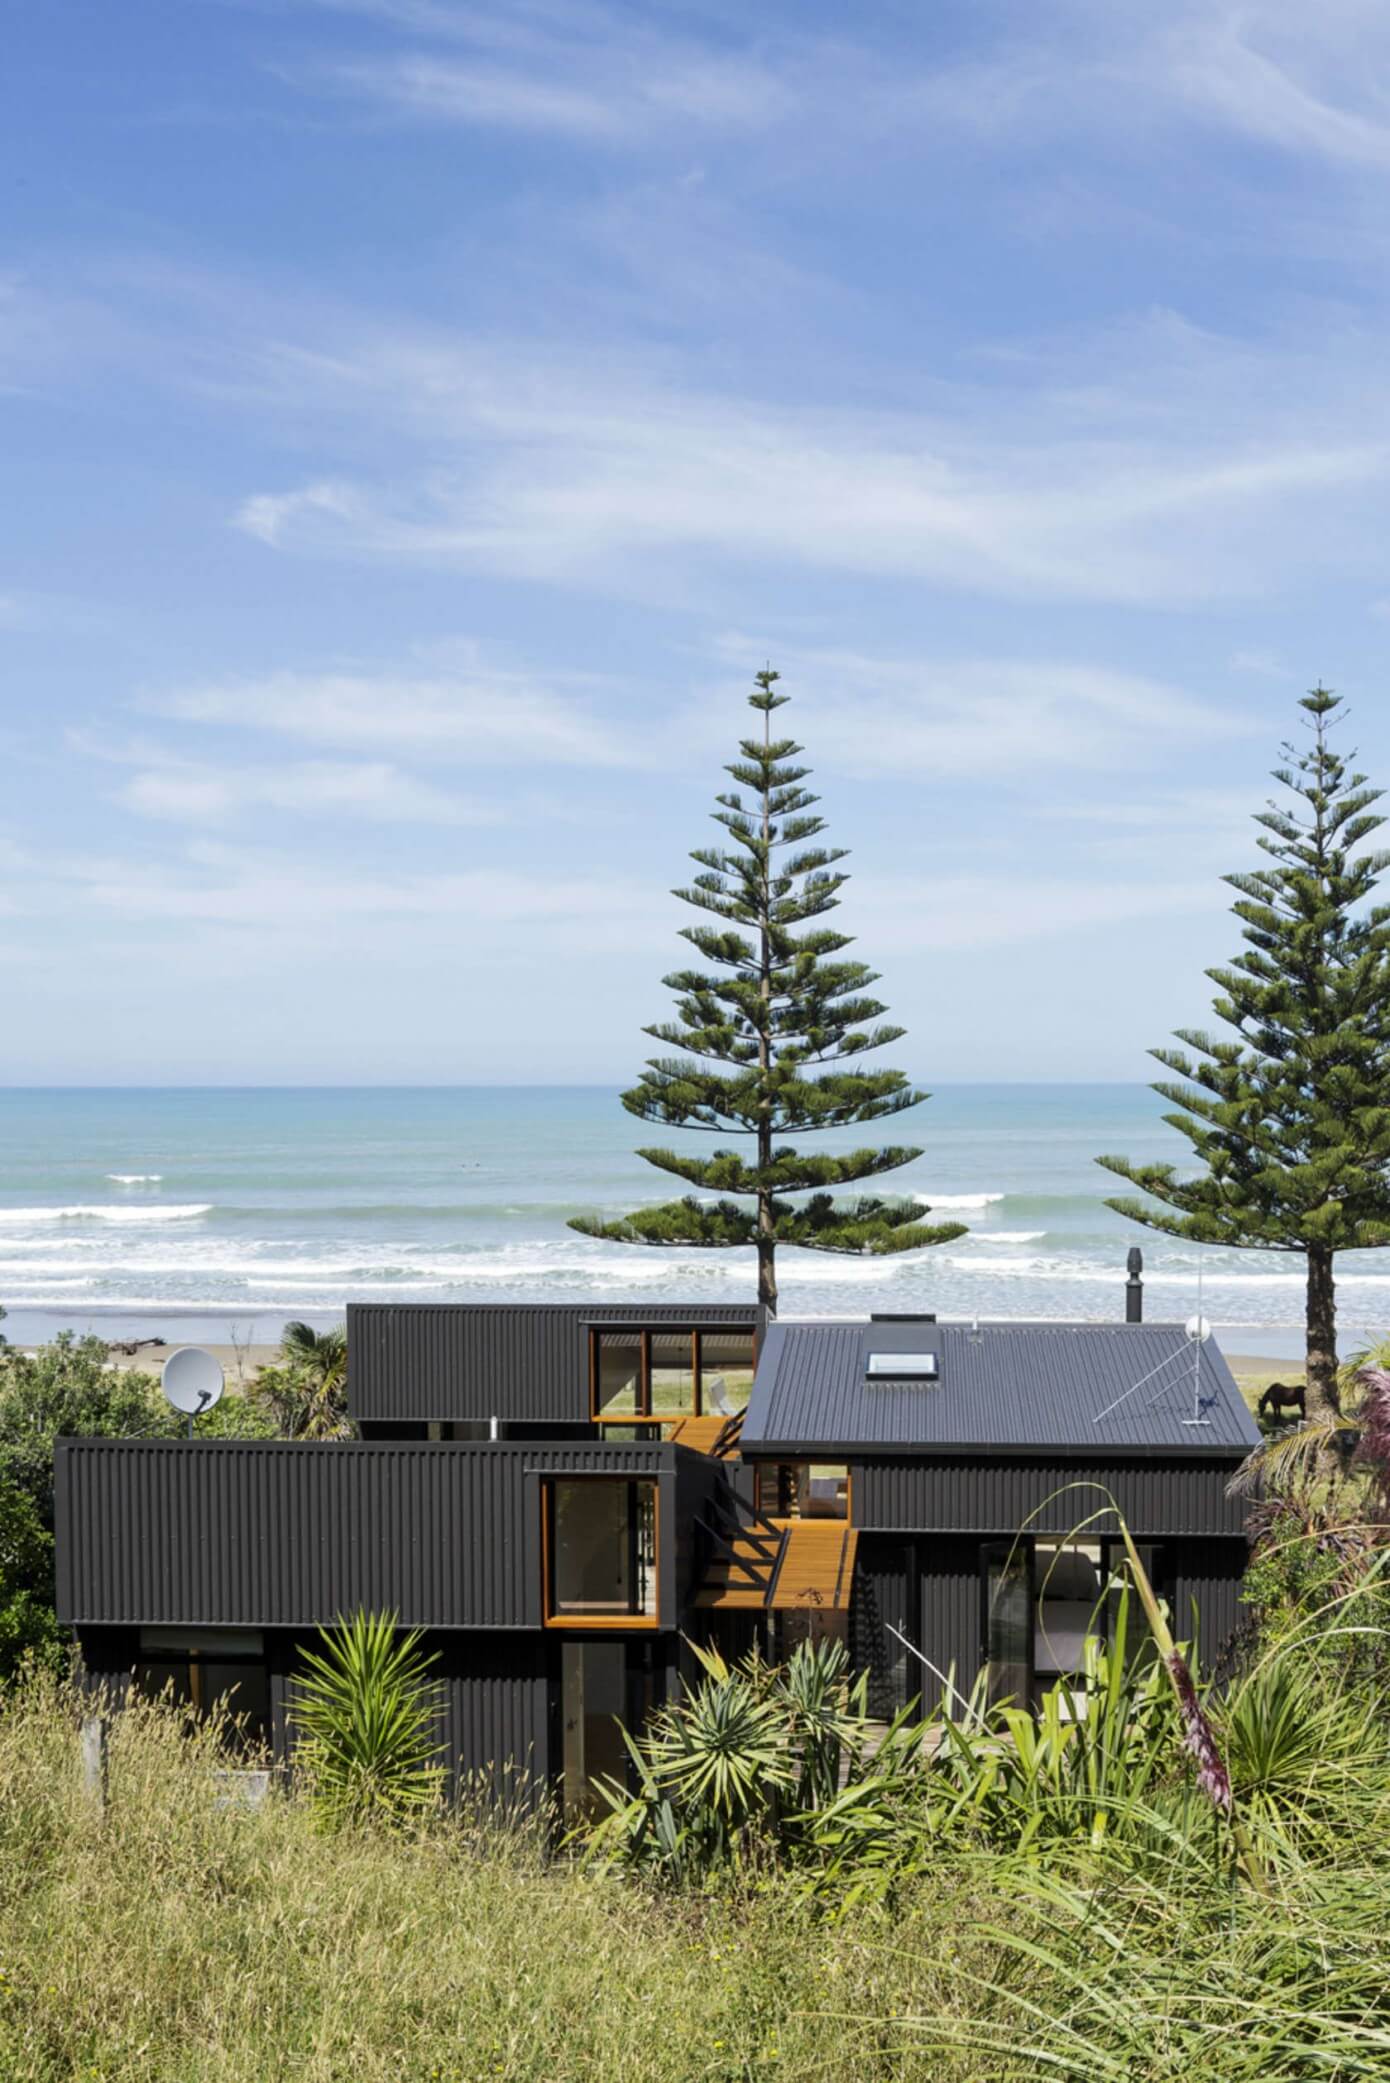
367,1715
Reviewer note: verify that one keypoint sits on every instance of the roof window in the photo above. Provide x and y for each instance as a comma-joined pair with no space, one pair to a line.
900,1367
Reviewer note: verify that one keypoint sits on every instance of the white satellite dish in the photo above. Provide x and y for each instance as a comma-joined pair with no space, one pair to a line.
192,1380
1198,1329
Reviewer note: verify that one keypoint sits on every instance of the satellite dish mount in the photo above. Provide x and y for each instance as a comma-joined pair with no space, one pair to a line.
192,1381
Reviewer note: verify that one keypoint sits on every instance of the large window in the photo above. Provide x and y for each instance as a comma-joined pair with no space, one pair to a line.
600,1552
209,1670
659,1375
1044,1599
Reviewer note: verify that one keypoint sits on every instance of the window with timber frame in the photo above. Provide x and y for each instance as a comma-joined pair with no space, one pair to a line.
659,1374
599,1551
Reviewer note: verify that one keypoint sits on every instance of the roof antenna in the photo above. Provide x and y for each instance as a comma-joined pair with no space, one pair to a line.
1198,1331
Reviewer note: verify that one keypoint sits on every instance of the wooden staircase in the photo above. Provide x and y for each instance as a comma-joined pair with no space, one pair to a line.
713,1435
744,1563
780,1566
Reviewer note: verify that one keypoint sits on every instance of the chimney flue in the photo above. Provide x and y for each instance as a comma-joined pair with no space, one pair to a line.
1134,1286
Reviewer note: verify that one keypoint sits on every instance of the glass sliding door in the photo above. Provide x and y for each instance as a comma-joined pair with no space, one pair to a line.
726,1372
1009,1623
593,1701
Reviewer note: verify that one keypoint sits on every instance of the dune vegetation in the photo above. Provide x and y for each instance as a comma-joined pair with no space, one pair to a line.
1168,1888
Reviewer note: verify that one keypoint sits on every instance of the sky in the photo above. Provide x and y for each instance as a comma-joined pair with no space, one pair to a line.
418,421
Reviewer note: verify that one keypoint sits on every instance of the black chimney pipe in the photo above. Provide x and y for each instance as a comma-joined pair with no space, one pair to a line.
1134,1286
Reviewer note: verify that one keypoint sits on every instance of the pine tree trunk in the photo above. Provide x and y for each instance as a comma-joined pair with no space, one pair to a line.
767,1232
1324,1400
767,1274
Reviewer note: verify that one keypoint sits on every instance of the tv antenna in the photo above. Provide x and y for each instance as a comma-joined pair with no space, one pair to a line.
192,1381
1198,1331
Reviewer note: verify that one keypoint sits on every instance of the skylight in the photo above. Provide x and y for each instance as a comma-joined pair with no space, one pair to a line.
905,1367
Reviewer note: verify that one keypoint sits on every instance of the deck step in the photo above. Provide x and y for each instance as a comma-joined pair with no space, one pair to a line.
816,1570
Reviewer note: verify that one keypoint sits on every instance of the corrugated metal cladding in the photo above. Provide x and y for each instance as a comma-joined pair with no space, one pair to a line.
421,1363
496,1718
1157,1496
1003,1385
949,1620
271,1533
1207,1575
930,1591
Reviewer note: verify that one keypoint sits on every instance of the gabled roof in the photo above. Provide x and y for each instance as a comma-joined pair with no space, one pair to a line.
1095,1388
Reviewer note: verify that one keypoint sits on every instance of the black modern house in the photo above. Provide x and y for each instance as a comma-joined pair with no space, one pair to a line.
564,1497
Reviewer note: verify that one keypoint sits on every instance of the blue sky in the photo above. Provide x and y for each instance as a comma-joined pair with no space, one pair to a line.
418,420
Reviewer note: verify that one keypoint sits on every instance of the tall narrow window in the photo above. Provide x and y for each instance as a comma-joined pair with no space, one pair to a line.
1009,1623
672,1374
601,1552
617,1374
726,1372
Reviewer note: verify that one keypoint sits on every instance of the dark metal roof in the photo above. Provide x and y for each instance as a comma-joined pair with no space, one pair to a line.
1097,1388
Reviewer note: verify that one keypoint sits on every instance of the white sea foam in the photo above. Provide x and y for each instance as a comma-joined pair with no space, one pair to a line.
1009,1237
957,1200
135,1178
146,1212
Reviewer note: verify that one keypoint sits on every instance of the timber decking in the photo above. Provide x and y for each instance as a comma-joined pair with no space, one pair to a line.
816,1567
809,1569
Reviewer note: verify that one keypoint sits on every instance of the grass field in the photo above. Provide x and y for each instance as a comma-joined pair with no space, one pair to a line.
166,1939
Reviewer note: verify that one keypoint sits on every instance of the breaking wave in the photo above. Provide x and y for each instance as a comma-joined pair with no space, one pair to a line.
146,1212
957,1200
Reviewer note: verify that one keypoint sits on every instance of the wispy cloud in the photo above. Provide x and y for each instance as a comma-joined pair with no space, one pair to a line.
555,473
939,717
963,913
281,897
183,792
1302,82
480,719
595,74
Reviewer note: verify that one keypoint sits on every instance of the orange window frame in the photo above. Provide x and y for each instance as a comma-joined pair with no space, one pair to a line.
624,1623
644,1414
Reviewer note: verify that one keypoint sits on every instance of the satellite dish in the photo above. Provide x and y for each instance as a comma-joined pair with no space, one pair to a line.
192,1380
1198,1329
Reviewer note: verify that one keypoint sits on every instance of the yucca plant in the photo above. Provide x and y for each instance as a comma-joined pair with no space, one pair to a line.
366,1713
733,1766
826,1712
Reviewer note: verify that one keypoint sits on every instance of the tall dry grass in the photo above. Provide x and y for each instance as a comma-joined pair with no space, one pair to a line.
166,1938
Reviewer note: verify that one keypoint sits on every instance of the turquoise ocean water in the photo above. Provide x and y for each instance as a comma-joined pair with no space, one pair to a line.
222,1212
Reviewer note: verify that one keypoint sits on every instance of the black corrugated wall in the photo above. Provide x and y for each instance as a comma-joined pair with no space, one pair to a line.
272,1533
1158,1496
463,1361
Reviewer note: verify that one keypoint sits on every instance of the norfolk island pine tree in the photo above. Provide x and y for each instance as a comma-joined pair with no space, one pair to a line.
765,1036
1290,1118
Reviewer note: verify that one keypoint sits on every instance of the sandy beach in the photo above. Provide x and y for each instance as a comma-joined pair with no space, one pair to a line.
240,1363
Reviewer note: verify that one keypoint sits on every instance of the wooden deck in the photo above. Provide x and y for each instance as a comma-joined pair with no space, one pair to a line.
809,1568
816,1568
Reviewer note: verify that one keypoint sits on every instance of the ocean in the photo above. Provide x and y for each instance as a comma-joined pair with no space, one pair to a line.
218,1214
